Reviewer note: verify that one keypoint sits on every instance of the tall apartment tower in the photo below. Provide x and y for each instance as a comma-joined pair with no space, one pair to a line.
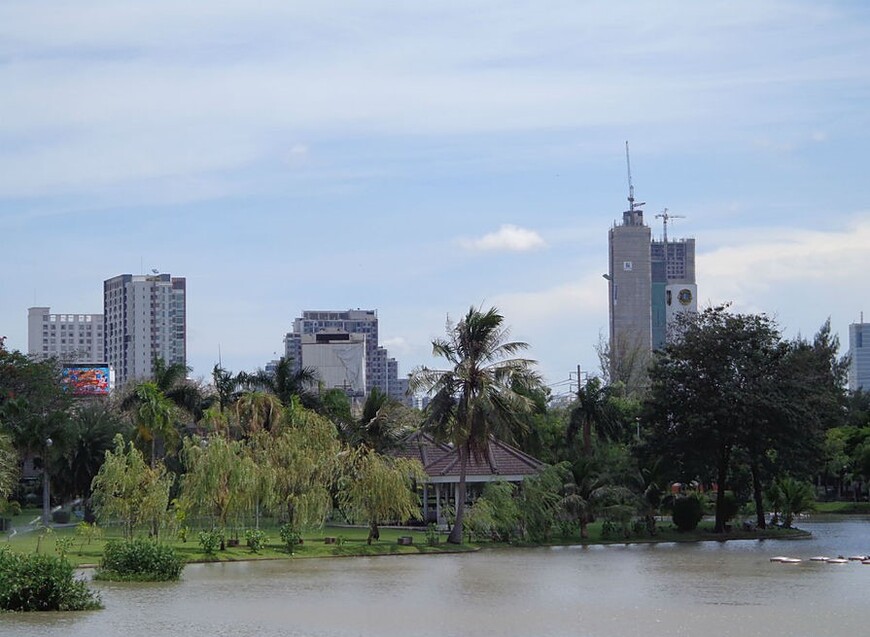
145,319
66,337
859,355
650,283
381,371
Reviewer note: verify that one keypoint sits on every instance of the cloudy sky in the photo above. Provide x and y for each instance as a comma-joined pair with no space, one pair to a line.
419,158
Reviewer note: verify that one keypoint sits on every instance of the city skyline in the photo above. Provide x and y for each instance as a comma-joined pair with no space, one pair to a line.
422,160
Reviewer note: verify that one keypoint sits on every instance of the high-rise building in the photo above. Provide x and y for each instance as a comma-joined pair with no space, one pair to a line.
859,356
650,283
145,319
381,371
67,337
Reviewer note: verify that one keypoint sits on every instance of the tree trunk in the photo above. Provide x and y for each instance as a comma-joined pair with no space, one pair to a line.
722,475
587,436
374,533
757,496
455,536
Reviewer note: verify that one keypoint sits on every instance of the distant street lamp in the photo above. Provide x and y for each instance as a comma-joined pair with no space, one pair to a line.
46,489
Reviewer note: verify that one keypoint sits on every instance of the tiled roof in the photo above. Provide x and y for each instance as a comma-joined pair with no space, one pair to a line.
441,460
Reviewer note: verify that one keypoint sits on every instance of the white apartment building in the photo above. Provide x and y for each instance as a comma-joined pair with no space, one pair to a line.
145,319
67,337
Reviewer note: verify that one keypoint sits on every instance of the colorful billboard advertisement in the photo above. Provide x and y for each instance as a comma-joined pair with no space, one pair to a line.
86,379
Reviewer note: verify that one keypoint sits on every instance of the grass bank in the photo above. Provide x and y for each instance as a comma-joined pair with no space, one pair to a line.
843,508
351,541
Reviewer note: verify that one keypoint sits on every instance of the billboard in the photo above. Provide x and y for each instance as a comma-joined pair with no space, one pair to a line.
86,379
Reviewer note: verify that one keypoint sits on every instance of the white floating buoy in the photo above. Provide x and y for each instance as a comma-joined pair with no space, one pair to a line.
819,558
837,560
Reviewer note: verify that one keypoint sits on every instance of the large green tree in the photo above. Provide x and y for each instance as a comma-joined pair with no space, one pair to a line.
710,393
476,396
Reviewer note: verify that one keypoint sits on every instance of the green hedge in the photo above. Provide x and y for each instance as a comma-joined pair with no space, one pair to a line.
33,582
139,560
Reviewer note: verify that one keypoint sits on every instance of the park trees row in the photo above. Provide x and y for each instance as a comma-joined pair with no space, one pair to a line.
298,471
728,392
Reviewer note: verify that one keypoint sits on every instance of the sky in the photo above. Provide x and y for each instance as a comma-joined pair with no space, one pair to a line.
423,158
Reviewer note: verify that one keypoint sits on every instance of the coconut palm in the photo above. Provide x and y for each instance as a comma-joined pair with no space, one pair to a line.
257,411
476,397
286,382
154,417
593,409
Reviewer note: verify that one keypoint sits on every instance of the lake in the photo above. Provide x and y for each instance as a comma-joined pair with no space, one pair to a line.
708,588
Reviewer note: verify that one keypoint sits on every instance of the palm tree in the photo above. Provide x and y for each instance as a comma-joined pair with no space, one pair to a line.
154,417
286,382
476,397
258,411
593,408
383,424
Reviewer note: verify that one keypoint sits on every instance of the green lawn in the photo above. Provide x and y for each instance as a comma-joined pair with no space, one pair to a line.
351,542
843,507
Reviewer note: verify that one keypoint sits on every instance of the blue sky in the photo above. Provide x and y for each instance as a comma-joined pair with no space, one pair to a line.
420,159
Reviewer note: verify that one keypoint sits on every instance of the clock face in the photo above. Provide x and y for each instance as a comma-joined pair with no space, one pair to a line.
685,296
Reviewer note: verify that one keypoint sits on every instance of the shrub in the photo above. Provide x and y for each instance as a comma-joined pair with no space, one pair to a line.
210,541
730,507
139,560
34,582
290,537
255,540
687,513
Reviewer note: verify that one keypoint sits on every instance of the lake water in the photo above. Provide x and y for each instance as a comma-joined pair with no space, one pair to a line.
705,588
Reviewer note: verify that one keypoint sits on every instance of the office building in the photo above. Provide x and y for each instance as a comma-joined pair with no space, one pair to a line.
859,356
66,337
381,371
145,319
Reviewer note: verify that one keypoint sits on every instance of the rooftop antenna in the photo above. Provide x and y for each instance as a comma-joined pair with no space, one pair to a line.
631,205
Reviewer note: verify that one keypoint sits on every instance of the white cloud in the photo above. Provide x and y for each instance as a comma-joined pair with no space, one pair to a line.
508,238
799,276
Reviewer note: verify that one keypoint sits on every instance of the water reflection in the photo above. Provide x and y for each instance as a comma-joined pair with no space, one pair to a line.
668,589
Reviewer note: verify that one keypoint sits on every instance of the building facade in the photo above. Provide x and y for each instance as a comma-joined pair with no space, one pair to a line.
145,319
66,337
381,371
859,356
650,283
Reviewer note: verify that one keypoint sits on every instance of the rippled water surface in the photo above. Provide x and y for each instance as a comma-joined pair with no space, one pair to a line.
666,589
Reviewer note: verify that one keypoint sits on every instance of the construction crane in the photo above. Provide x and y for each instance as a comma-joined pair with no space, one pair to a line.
664,216
631,205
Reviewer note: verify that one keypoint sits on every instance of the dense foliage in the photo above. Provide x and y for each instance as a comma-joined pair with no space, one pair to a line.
34,582
139,560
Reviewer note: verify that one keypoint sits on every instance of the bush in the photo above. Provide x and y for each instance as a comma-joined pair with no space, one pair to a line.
139,560
290,537
730,507
687,513
33,582
255,540
210,541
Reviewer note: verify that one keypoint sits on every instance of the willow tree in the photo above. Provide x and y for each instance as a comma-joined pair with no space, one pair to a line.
8,466
130,491
220,479
375,488
479,395
302,457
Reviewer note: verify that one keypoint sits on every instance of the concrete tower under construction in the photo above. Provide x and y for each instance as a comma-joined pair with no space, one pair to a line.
650,282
